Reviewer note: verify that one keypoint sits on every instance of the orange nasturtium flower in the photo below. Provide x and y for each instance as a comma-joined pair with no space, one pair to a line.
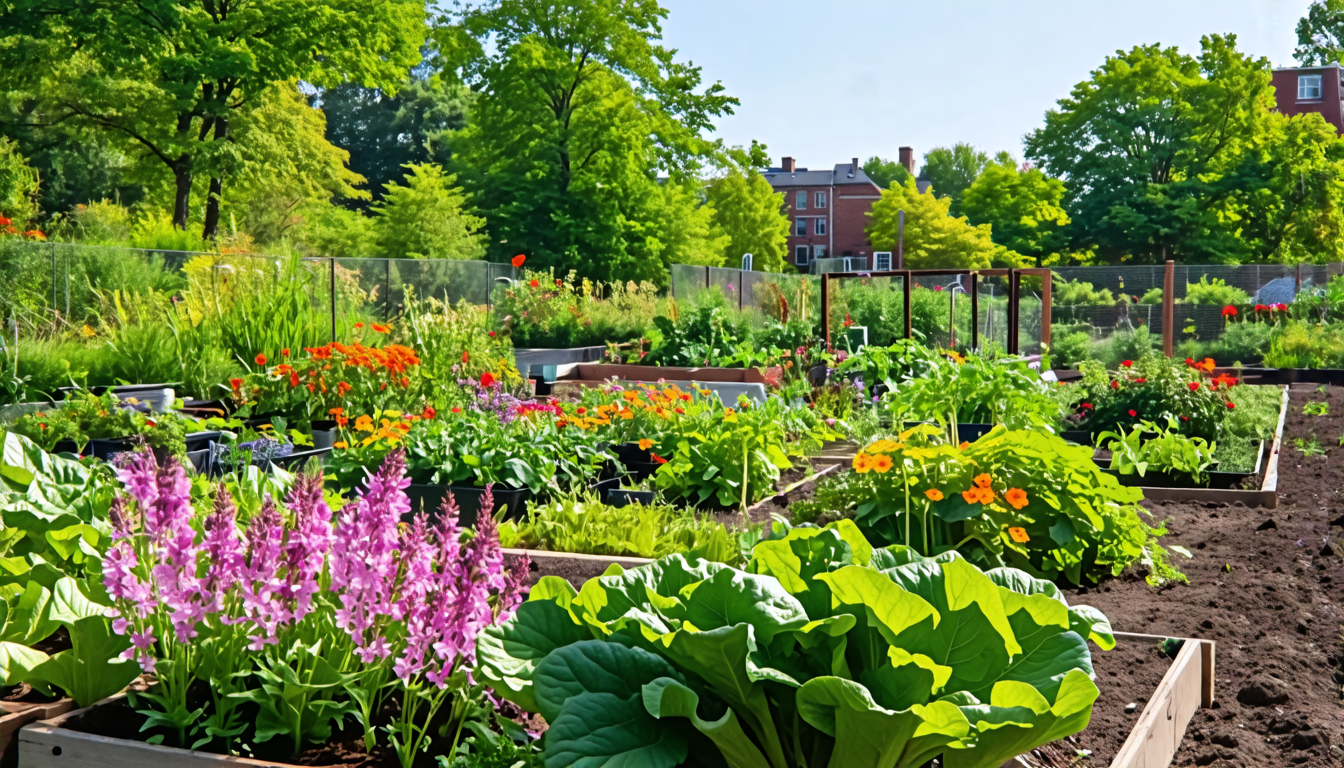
963,446
379,328
364,423
986,495
882,463
1019,535
260,359
518,260
982,481
971,495
645,444
862,464
934,494
1016,497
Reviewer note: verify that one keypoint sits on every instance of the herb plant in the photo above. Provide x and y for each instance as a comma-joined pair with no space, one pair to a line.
1148,447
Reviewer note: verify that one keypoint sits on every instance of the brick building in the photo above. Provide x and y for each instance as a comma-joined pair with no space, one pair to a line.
1298,90
828,210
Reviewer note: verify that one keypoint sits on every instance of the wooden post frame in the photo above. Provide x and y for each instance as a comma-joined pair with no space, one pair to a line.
972,276
1186,687
1169,309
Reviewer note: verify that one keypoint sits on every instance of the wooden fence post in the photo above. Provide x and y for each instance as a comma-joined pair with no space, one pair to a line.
826,307
1169,309
909,319
1045,309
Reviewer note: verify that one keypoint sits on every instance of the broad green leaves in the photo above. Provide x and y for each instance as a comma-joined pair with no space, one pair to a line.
813,653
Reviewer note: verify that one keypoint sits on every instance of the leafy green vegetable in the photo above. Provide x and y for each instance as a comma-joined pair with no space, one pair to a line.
823,649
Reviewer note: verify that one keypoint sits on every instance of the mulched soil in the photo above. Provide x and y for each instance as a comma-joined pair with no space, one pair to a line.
1268,587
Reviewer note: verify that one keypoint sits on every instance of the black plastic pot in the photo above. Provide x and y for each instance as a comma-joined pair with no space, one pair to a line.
324,434
969,433
603,488
621,497
427,498
641,470
631,453
67,446
197,441
1235,479
298,459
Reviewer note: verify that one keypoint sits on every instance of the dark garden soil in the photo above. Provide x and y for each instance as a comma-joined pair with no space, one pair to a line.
1268,587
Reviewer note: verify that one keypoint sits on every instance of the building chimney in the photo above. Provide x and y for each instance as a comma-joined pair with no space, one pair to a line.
908,159
854,167
787,164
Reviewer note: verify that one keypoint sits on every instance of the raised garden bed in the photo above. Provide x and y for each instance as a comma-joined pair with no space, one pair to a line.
728,382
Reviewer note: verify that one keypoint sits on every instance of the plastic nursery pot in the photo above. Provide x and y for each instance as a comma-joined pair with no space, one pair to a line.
296,460
324,434
1221,479
621,497
68,446
427,498
603,488
107,449
631,453
199,441
969,433
641,470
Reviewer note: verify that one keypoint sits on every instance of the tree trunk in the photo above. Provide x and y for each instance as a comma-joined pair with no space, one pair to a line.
211,228
182,199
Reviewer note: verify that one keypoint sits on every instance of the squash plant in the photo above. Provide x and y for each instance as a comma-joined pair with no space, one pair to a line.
1014,497
823,651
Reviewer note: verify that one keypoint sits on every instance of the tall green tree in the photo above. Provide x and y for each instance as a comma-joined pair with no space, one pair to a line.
1320,34
934,239
883,172
578,109
1022,206
18,186
426,218
749,213
950,171
171,75
383,132
1169,156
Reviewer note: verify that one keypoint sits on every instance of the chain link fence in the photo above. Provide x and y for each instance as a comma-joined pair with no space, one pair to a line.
761,295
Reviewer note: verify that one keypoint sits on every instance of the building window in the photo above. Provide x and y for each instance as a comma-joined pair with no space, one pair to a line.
800,256
882,261
801,229
821,200
801,197
819,226
1308,87
819,251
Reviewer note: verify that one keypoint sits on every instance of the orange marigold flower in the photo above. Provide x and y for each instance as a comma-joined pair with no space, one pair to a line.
1016,497
627,414
337,411
645,444
983,480
1019,535
934,494
341,421
260,359
465,357
364,423
342,388
862,463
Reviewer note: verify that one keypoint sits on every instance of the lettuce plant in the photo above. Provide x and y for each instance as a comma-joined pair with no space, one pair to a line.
822,651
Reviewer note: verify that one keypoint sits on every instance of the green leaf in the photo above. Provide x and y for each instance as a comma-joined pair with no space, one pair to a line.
16,661
731,597
1018,718
871,736
30,616
90,670
666,697
508,654
591,693
891,609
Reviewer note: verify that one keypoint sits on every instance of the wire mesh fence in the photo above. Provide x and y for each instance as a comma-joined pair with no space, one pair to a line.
761,295
43,285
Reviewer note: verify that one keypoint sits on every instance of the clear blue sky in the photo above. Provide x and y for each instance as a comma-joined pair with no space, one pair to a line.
826,80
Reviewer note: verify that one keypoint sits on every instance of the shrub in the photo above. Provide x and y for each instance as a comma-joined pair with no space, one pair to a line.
1153,388
1079,293
1215,292
1296,344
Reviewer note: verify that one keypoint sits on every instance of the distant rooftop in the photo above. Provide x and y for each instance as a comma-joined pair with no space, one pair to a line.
843,173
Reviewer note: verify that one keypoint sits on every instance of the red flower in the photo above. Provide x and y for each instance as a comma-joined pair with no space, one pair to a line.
293,379
535,284
235,383
1133,413
359,325
1115,385
492,334
518,260
1127,363
429,412
1230,406
1189,361
1140,381
1261,308
1088,406
465,357
154,423
456,409
557,282
260,359
380,328
1229,311
679,410
1194,386
284,352
342,388
848,322
1185,418
658,458
487,379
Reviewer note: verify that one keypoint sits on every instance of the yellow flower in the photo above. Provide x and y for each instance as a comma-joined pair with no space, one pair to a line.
882,463
934,494
340,444
645,444
883,446
862,464
1019,535
954,356
705,392
1016,497
627,414
729,414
